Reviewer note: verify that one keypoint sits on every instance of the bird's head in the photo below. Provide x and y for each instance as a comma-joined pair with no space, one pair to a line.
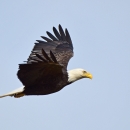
77,74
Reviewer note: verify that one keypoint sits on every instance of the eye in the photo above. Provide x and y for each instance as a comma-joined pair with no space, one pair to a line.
84,71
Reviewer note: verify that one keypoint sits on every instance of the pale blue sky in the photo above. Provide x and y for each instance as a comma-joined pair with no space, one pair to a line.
100,31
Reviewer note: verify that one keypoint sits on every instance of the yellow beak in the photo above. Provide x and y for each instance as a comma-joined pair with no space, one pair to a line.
88,75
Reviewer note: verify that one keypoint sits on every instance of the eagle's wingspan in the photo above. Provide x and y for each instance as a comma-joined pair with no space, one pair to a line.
45,71
61,46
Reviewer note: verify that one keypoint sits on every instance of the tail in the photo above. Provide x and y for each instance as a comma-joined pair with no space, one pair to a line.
16,93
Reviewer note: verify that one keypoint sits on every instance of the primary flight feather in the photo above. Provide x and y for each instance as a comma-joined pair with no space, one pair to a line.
45,71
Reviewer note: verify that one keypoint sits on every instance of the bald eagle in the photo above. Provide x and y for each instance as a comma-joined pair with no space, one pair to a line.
45,71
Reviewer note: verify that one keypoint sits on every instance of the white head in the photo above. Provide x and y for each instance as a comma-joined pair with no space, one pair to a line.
77,74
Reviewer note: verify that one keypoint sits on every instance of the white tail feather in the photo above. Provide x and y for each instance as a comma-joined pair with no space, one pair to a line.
14,92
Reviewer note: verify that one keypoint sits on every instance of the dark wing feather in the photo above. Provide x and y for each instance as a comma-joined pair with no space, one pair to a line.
46,56
47,39
68,38
51,36
41,58
62,33
53,57
57,33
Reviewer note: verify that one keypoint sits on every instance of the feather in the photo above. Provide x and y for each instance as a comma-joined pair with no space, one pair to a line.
46,56
62,33
47,39
41,58
68,37
40,41
53,57
51,36
36,60
57,33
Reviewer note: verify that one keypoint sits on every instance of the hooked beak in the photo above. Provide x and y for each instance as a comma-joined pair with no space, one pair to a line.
88,75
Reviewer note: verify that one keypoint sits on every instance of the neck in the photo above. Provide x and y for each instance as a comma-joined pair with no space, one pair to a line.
74,75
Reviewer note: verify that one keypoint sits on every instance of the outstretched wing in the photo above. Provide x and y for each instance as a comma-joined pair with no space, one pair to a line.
60,44
47,64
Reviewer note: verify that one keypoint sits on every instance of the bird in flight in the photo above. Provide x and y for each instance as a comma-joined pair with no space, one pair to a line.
45,71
